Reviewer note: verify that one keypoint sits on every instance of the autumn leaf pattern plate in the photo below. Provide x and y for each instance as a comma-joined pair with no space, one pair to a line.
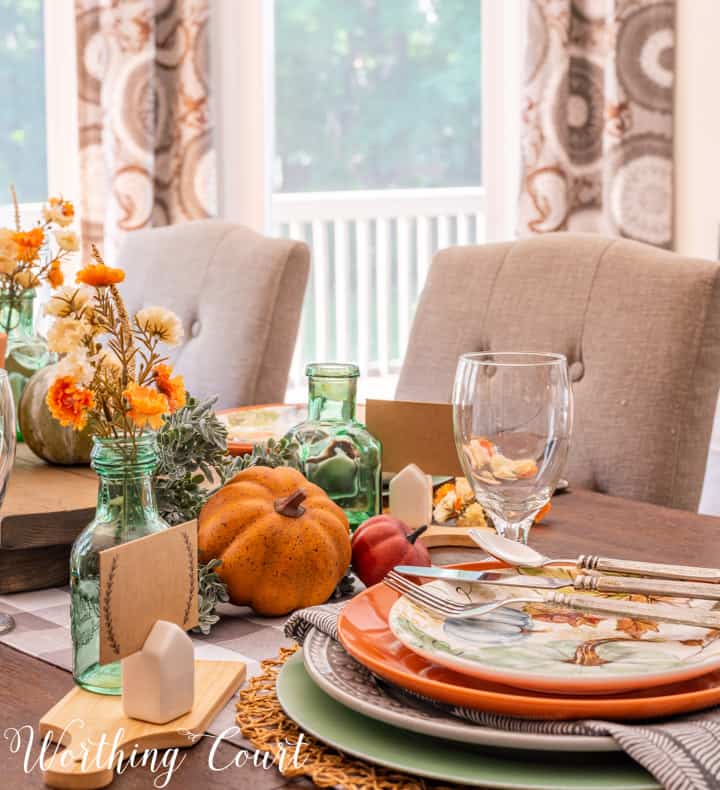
562,650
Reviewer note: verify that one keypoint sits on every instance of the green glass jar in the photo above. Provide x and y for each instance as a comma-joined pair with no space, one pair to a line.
126,509
27,351
336,451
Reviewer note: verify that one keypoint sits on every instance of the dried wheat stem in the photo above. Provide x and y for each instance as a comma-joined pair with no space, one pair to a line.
16,207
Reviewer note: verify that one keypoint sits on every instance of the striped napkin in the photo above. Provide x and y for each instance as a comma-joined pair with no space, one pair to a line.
682,753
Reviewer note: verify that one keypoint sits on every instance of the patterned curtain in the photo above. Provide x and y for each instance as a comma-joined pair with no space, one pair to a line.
598,119
146,153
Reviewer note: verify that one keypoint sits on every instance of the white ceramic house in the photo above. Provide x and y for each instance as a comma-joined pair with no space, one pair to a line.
411,496
159,681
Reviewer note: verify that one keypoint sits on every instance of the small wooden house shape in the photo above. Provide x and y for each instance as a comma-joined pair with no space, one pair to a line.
158,681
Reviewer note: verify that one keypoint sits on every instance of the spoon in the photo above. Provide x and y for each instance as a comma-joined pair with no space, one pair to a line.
521,555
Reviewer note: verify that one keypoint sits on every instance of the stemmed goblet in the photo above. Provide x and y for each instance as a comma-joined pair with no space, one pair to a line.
512,415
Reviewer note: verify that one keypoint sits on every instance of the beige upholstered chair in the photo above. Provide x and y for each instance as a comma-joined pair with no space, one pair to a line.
239,296
640,328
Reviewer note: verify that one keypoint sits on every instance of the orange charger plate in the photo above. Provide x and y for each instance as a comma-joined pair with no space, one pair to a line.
364,632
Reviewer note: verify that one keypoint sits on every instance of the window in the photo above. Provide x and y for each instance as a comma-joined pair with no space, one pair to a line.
23,159
377,95
38,96
378,132
378,141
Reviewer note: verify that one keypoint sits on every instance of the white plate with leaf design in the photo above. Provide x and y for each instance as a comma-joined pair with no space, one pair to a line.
563,650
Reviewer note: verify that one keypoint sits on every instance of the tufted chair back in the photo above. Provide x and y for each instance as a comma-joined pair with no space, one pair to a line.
239,296
640,328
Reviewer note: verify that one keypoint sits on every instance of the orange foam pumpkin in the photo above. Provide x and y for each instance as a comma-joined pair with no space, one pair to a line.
283,542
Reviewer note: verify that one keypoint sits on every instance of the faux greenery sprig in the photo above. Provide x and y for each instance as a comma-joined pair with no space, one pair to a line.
193,462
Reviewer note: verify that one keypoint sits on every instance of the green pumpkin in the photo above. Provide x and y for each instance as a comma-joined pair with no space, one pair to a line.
42,433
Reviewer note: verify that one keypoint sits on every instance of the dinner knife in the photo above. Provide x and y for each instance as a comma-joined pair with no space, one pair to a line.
609,584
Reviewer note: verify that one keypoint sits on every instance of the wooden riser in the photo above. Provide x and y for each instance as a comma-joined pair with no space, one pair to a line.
215,683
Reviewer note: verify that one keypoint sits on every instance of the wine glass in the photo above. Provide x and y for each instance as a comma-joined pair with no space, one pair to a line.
7,456
512,414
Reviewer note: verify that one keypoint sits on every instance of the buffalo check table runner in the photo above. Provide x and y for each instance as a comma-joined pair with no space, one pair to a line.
42,630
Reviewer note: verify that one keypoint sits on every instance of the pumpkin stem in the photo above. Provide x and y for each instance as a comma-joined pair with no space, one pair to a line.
290,505
413,536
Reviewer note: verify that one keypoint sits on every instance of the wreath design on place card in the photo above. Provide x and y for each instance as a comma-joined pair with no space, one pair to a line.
107,608
191,577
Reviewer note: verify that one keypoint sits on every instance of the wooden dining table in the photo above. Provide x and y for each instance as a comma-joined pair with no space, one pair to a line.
581,522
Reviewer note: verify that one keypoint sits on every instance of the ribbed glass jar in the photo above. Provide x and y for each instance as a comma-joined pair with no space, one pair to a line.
126,510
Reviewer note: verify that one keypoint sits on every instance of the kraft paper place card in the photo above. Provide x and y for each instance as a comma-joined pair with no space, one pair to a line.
148,579
414,433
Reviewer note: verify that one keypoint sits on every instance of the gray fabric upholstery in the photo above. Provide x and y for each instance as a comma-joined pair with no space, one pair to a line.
239,296
640,328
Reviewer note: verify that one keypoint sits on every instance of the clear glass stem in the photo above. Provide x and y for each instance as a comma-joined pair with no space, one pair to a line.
513,530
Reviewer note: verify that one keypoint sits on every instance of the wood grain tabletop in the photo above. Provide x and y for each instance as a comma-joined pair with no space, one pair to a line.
581,522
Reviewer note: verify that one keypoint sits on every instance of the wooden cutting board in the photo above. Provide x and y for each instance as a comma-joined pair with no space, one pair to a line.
215,683
45,505
45,508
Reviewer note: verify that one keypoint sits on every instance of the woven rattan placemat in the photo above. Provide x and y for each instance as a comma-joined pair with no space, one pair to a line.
264,723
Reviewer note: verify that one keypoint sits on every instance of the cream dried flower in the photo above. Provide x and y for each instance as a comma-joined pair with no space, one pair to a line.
108,363
77,365
68,300
445,508
8,251
472,516
160,323
66,335
463,490
27,279
53,213
67,240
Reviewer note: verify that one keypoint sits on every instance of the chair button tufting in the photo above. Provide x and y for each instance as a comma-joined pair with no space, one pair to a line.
576,370
195,329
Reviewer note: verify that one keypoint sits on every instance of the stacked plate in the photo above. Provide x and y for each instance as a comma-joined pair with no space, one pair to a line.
428,695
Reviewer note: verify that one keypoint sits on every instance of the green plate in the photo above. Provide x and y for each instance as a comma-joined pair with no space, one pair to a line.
329,721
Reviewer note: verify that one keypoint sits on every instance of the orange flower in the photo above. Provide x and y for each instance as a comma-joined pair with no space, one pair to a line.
146,406
55,276
28,243
173,388
67,209
68,403
59,211
99,275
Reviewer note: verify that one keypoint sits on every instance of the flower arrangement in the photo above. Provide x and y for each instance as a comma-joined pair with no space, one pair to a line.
29,256
112,377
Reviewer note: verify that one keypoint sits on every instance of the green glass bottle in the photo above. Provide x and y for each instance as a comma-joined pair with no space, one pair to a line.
336,451
27,351
126,509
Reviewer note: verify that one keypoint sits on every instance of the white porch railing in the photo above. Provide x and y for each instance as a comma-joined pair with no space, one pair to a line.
370,254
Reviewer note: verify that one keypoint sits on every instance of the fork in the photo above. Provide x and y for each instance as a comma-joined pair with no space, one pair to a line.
661,613
436,604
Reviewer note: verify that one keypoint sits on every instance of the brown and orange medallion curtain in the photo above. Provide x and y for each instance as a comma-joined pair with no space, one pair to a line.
598,119
146,152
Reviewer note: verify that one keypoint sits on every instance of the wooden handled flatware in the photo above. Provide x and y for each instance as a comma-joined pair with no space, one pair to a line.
662,613
607,584
522,556
653,570
644,586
